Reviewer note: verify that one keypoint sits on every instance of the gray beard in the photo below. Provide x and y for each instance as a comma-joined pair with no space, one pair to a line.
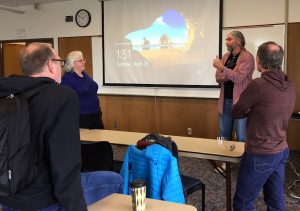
230,49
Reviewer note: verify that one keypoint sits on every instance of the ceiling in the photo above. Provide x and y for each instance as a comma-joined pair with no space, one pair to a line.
16,3
13,5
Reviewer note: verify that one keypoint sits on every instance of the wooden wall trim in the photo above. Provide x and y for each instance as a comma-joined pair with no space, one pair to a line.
170,115
166,115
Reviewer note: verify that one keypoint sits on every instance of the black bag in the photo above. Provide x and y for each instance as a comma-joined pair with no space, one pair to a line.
166,142
18,167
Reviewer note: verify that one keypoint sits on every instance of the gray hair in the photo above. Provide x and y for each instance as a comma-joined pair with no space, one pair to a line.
239,35
270,55
72,56
34,57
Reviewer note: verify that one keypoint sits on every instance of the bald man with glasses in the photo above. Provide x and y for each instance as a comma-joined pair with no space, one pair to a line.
54,133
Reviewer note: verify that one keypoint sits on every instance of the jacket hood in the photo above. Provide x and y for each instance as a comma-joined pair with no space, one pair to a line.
17,84
277,78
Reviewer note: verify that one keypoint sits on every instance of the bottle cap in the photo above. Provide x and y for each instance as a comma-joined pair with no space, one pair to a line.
137,183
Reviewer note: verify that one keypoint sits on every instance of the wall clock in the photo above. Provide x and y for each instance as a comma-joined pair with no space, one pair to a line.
83,18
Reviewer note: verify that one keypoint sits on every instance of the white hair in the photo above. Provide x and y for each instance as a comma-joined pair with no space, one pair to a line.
72,56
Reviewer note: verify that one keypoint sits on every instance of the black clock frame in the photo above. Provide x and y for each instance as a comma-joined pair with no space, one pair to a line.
89,17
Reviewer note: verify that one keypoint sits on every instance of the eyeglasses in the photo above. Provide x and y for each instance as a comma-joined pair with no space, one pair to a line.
81,60
62,62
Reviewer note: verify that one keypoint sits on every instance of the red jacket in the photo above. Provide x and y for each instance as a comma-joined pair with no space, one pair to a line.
241,75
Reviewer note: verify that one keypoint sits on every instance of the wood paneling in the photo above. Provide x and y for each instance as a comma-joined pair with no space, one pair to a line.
166,115
293,72
178,114
293,58
10,51
170,115
11,59
83,44
128,113
293,134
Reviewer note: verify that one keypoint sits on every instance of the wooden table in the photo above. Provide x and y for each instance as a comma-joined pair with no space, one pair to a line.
120,202
209,149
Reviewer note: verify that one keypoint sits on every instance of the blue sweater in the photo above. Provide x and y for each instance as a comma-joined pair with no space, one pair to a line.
86,90
157,166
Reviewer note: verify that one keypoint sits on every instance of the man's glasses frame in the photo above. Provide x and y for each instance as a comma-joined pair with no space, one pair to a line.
62,61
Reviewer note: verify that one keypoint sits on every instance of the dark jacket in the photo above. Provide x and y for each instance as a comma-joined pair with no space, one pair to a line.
269,103
54,129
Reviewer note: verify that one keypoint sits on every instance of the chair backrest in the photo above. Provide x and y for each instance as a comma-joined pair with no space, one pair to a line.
96,156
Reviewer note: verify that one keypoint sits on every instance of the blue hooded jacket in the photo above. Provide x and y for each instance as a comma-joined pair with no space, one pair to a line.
158,167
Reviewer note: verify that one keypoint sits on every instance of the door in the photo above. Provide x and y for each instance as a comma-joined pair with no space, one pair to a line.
11,53
83,44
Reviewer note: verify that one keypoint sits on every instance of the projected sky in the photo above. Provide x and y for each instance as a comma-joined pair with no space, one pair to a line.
170,29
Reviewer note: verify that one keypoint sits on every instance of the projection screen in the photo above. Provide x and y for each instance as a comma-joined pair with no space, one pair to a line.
160,43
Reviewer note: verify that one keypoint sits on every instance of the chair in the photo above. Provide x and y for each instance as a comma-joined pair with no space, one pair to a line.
158,167
293,189
96,156
190,185
117,165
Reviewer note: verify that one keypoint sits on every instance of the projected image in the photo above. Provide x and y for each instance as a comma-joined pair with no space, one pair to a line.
164,39
167,31
161,42
166,42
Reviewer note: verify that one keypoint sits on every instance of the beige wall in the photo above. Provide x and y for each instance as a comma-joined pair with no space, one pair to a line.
254,12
